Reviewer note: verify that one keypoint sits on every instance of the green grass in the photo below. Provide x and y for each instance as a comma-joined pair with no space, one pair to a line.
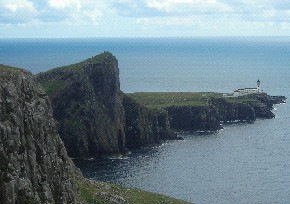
100,192
161,100
52,86
249,99
10,69
103,57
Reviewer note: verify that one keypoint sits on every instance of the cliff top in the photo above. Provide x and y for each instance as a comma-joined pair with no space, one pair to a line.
161,100
98,59
8,69
56,79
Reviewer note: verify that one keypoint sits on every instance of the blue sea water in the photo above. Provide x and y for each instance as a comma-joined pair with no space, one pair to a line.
244,163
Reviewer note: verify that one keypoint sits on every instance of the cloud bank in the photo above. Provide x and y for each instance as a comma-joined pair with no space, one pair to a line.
142,15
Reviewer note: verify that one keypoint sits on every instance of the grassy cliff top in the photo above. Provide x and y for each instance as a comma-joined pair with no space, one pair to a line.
5,68
249,99
160,100
99,192
98,59
56,79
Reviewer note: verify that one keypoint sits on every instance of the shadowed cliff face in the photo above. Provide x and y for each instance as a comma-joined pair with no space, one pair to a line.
229,112
144,126
190,118
205,111
88,105
34,166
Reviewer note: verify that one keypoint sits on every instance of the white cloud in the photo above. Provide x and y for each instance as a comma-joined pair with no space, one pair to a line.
93,15
194,6
20,5
64,4
285,26
17,11
168,21
154,16
78,12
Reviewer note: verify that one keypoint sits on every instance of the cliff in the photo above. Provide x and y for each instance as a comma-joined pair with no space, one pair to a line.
261,103
87,104
144,126
93,117
34,164
233,111
206,111
193,118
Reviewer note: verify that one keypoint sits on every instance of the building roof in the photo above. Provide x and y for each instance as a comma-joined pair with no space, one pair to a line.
247,89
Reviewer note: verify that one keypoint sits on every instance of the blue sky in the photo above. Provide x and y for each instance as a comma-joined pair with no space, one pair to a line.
143,18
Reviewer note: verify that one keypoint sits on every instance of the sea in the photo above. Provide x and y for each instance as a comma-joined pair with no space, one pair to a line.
242,163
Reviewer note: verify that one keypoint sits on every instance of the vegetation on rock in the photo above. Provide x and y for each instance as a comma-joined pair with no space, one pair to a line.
87,104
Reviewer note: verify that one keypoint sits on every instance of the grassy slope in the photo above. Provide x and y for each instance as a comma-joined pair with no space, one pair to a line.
55,84
159,100
99,192
5,68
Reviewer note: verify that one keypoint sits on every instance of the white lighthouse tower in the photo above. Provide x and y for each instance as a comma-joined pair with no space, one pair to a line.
259,86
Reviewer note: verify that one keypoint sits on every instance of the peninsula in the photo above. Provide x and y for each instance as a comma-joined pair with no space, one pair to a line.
96,118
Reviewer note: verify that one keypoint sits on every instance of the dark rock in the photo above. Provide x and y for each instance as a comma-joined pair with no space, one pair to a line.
88,106
193,118
278,99
34,166
145,127
233,112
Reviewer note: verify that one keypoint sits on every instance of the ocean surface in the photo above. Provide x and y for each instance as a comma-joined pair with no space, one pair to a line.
243,163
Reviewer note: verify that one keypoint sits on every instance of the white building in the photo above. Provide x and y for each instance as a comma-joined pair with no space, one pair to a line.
245,91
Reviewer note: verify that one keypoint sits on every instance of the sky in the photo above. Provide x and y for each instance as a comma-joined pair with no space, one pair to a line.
143,18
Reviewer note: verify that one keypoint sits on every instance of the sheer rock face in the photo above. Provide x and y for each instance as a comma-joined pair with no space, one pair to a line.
230,112
87,104
145,127
191,118
34,166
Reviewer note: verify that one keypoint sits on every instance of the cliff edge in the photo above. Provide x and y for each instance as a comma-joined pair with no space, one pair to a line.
87,103
34,164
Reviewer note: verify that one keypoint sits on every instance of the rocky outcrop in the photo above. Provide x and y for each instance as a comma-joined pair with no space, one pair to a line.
89,107
278,99
87,104
233,112
144,126
207,111
34,166
194,118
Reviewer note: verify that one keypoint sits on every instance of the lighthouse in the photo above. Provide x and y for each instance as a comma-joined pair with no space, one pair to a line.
259,86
